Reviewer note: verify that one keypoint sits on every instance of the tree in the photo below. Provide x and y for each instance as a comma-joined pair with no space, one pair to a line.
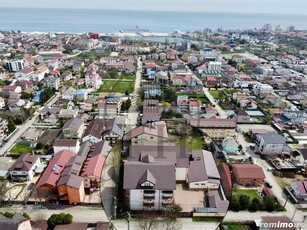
165,105
57,219
11,125
126,92
269,203
255,205
244,201
235,204
26,95
39,145
26,215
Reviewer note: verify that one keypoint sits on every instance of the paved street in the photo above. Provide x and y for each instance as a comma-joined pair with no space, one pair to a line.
133,113
22,128
231,216
222,113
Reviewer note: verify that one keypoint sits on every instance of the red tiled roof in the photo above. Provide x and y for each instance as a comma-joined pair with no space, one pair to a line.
249,171
93,166
55,167
225,178
195,103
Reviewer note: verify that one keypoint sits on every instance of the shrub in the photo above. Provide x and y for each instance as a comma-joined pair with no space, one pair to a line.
244,201
235,204
255,205
269,203
57,219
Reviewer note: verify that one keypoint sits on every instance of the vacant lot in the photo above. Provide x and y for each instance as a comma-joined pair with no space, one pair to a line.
199,96
251,193
192,142
116,86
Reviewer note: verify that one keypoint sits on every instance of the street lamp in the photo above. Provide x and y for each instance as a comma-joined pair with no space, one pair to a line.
128,219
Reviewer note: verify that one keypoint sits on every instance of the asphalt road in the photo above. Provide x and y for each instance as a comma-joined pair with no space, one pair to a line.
22,128
221,112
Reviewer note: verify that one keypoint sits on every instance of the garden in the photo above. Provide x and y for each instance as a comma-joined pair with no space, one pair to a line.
119,86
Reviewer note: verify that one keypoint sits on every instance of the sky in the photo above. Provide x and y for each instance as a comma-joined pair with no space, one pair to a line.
244,6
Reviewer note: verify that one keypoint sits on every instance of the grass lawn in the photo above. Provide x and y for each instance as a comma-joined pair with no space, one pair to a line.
193,142
236,226
216,94
20,148
251,193
205,219
120,77
199,96
116,86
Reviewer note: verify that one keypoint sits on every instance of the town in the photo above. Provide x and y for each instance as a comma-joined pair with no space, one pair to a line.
201,130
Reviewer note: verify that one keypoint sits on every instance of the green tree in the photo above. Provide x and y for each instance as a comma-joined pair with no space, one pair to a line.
26,95
269,203
11,125
244,201
126,92
39,145
26,215
235,204
255,205
57,219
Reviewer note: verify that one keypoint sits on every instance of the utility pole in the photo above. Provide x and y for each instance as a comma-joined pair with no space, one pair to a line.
128,219
115,206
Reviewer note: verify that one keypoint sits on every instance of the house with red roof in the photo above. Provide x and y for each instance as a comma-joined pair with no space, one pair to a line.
211,81
47,184
225,178
248,174
194,107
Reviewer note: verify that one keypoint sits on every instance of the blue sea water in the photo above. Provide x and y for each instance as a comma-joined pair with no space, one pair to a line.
103,21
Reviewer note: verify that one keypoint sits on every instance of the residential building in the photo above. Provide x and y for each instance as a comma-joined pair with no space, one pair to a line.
194,107
24,74
73,128
14,66
299,190
230,145
2,103
211,81
66,144
270,143
155,132
248,174
24,167
92,80
17,222
3,128
109,110
260,89
53,82
243,117
295,117
148,184
71,188
81,95
69,94
276,223
215,65
5,164
113,130
151,111
202,172
215,128
226,179
94,131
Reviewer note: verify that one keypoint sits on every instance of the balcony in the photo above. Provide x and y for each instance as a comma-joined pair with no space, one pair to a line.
166,202
149,195
167,194
148,202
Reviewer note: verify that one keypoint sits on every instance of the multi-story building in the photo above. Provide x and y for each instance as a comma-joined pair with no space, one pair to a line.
149,185
14,66
66,144
3,128
53,82
248,174
270,143
215,66
299,190
194,107
73,128
217,129
24,167
109,109
94,131
260,89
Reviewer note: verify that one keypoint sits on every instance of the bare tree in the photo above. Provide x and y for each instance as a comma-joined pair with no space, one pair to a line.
148,223
40,215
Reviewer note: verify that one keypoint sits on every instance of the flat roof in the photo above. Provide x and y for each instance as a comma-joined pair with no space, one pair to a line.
255,113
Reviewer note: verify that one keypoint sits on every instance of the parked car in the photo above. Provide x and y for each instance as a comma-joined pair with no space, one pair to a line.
30,186
268,184
252,147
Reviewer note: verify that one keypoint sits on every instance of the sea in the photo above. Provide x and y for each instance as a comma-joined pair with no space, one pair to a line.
112,21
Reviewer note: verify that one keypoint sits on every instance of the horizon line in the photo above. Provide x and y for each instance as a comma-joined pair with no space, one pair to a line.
155,10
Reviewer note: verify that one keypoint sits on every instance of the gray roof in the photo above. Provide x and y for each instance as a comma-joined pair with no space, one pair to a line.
24,163
73,123
11,223
167,152
162,172
203,167
102,147
215,201
71,180
114,125
272,138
